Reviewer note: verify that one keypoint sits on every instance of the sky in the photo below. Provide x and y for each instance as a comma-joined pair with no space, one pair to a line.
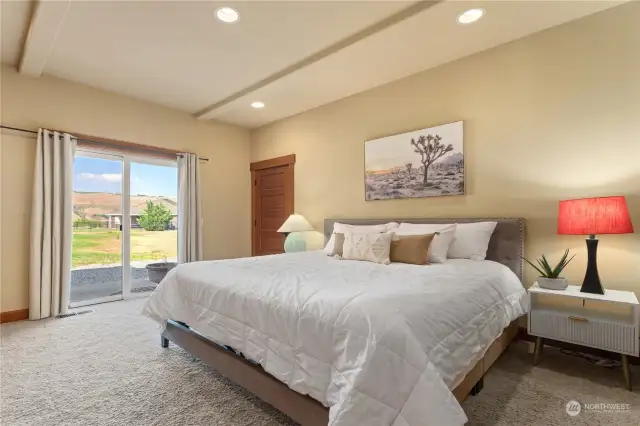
395,151
101,175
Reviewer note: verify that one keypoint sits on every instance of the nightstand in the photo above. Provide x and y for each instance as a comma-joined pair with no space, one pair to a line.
608,322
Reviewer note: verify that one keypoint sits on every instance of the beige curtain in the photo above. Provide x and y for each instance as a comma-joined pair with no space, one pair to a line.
51,225
189,209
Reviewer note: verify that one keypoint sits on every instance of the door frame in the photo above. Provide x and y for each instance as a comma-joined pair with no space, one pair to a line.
286,160
125,191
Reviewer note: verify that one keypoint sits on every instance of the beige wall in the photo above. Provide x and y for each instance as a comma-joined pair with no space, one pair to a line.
52,103
553,116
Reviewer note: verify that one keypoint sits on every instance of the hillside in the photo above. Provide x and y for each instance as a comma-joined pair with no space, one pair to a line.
451,160
91,205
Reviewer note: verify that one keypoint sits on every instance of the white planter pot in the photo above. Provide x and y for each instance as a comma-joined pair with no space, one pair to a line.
553,283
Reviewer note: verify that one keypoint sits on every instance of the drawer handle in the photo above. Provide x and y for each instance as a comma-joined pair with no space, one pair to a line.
581,319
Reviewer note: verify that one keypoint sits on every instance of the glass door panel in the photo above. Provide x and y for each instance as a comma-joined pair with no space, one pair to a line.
96,270
153,201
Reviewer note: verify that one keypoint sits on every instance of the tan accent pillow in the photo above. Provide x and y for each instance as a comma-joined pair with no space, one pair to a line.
413,249
368,247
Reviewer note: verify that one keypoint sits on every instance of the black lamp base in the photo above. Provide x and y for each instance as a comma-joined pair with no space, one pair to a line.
591,283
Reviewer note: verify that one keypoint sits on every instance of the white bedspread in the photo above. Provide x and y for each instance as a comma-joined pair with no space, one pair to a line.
379,345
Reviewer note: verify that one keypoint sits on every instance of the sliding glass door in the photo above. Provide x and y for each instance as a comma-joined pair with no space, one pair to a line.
96,258
153,201
125,221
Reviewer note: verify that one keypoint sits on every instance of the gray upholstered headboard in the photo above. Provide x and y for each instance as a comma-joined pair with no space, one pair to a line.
506,245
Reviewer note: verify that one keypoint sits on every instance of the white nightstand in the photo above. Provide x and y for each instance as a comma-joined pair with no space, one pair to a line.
608,321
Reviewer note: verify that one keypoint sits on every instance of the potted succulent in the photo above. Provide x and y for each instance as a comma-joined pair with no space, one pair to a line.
550,277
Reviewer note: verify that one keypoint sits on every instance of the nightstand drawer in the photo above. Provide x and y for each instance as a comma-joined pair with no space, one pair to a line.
599,333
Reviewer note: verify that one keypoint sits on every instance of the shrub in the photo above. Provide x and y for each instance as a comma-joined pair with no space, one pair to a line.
155,217
393,193
87,223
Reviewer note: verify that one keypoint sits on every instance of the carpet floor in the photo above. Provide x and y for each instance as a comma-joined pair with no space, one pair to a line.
107,368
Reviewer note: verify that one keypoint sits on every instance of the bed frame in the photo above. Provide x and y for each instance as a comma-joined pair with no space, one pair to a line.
506,246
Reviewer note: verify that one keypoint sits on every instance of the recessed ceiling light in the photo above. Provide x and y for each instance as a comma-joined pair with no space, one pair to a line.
470,16
228,15
257,104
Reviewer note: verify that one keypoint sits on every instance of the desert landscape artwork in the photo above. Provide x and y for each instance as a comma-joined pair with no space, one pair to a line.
422,163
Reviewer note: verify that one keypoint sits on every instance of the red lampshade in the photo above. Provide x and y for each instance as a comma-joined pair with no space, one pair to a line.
602,215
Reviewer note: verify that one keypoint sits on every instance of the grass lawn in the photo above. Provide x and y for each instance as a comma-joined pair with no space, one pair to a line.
103,246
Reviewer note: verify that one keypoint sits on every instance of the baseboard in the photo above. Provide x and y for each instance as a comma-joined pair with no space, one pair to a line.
19,315
523,335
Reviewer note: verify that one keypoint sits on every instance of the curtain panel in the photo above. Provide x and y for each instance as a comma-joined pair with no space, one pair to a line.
51,225
189,209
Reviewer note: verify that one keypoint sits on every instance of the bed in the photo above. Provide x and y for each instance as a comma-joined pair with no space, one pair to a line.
378,344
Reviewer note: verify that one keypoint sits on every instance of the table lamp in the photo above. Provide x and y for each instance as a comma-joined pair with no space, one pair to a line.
293,229
591,216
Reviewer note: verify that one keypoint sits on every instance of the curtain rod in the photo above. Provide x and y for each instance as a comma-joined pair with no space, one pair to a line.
81,140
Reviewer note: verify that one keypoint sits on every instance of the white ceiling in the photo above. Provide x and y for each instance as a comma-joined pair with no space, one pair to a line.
292,55
13,27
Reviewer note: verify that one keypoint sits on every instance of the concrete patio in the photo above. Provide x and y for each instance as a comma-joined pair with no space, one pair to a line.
95,281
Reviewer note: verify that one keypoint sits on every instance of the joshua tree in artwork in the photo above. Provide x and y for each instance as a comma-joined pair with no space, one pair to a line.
409,166
430,150
460,165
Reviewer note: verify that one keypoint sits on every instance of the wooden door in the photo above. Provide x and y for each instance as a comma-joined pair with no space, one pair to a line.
272,203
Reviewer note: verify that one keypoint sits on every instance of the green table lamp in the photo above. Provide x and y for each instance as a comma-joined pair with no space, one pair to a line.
293,228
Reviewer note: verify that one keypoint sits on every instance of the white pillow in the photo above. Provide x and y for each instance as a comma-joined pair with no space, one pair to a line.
343,228
441,242
471,240
368,247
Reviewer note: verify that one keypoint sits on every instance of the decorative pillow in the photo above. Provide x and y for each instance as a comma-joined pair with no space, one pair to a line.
367,247
392,225
413,249
471,240
342,228
338,244
441,242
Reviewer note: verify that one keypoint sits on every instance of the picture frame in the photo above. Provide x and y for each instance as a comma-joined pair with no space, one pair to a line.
419,164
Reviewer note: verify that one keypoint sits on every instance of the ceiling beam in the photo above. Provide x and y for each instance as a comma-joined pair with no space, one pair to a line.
413,9
46,21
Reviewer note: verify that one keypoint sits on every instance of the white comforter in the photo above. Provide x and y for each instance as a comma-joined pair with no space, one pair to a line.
379,345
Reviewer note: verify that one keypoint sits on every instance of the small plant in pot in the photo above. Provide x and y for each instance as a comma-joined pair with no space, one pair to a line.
550,277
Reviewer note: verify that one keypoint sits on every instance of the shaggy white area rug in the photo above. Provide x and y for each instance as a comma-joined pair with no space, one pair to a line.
107,368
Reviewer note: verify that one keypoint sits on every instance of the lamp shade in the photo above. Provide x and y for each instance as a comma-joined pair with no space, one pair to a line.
295,223
590,216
